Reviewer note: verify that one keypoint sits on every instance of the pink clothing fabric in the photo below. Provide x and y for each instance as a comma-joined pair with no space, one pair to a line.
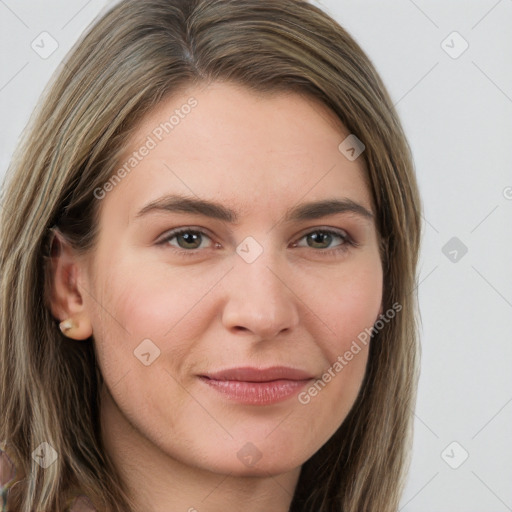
7,476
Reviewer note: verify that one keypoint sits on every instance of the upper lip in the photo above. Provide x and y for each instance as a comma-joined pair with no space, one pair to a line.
250,374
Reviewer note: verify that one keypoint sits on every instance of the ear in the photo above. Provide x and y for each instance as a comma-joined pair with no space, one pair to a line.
66,299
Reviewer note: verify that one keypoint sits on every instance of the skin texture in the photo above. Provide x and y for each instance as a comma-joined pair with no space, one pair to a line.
174,439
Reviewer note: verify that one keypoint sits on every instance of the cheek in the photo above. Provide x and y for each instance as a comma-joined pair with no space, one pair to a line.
349,304
151,300
149,308
138,311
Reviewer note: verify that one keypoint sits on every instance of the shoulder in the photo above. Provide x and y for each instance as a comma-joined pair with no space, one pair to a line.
8,473
7,469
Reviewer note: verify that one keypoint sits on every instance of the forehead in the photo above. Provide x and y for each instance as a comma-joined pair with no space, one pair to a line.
226,142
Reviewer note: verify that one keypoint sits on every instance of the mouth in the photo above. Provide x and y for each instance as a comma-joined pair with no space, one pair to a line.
255,386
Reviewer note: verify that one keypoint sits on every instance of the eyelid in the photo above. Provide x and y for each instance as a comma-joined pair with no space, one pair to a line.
348,240
314,229
183,229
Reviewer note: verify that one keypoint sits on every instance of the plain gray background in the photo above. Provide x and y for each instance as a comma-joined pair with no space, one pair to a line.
456,107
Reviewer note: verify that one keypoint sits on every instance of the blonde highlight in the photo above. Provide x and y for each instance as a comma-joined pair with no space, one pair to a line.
133,57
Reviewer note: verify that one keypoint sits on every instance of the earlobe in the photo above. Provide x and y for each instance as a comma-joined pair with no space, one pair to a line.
66,300
76,328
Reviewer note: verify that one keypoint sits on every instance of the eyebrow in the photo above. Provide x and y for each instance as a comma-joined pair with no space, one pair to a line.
207,208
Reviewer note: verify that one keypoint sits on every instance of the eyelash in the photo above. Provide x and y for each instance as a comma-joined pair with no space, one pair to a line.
347,240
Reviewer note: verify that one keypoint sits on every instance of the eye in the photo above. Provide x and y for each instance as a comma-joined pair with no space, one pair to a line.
187,239
322,239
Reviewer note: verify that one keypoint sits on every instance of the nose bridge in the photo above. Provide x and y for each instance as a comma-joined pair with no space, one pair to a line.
258,297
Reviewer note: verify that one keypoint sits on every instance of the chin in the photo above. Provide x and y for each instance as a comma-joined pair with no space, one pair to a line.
261,469
245,460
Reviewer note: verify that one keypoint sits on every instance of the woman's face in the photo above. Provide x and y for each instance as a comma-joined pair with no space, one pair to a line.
264,275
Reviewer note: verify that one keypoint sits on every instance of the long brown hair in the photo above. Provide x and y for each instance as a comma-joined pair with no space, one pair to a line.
135,55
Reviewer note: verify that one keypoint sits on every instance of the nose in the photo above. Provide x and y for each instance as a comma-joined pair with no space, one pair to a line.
260,298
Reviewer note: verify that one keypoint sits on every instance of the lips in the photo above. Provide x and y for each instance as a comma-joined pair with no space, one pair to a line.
250,374
256,386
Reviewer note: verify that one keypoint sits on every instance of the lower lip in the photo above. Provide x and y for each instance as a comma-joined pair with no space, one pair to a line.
257,393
